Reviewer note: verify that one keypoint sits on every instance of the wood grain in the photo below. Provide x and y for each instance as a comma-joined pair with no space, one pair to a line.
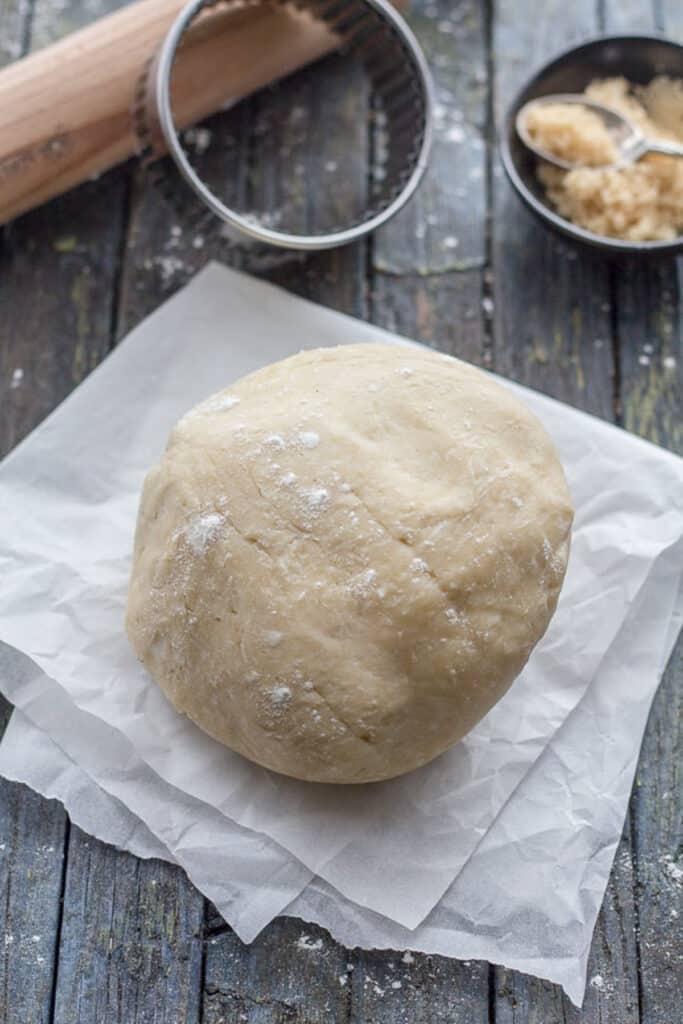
648,300
292,972
428,263
131,940
31,849
554,331
385,989
650,335
32,830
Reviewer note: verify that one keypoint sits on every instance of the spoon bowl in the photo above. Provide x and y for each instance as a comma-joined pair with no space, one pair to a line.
629,141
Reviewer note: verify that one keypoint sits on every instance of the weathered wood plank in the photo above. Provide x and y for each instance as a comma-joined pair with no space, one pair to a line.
31,848
649,324
553,331
657,814
416,989
15,19
629,16
32,830
53,20
612,991
552,302
131,941
60,270
428,264
292,972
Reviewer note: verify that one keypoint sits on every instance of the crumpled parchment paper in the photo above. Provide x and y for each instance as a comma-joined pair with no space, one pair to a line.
502,847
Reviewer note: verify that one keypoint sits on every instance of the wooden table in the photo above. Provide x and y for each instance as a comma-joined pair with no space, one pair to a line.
94,935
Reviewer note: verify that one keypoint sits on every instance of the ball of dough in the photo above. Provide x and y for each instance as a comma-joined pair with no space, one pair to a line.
343,561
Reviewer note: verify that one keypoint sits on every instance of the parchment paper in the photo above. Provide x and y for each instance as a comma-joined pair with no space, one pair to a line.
69,497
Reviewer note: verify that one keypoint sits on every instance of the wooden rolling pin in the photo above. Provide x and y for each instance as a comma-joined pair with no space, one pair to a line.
66,111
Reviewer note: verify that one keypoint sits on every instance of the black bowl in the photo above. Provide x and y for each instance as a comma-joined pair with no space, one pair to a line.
637,58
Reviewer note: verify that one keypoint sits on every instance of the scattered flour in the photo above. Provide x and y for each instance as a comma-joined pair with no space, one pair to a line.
408,957
200,532
199,139
597,982
672,869
309,439
17,377
275,441
364,584
419,565
273,637
307,943
280,696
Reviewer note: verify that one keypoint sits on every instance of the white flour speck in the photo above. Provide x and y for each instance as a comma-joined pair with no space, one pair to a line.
280,696
315,500
450,242
668,362
418,565
198,138
288,480
272,637
252,677
17,377
221,403
200,532
309,944
454,134
35,938
408,957
309,439
275,441
343,980
648,349
169,266
644,360
487,305
198,242
396,984
672,869
597,982
364,584
331,166
405,371
517,502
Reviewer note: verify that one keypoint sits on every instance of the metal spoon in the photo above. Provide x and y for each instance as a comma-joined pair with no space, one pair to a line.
627,137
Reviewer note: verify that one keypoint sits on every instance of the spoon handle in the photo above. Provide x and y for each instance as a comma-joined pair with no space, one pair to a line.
662,146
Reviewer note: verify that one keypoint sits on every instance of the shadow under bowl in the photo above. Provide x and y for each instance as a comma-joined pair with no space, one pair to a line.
639,59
